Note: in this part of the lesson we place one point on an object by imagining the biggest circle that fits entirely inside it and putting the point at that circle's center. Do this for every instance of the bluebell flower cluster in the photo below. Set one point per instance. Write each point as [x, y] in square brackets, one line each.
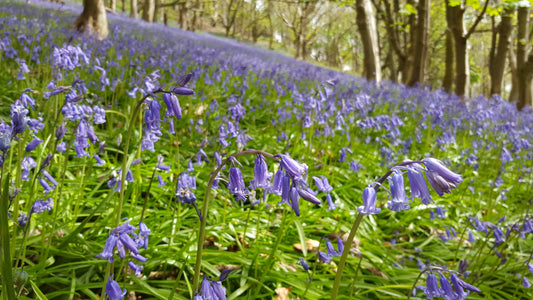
[440, 178]
[211, 290]
[125, 240]
[456, 290]
[326, 257]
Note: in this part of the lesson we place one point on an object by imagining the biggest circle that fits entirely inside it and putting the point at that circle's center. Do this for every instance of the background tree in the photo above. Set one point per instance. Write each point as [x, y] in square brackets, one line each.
[93, 19]
[369, 37]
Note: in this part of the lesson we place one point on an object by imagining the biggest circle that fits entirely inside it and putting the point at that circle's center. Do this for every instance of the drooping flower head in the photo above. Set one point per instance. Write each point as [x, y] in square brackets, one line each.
[261, 175]
[441, 178]
[184, 190]
[398, 200]
[369, 202]
[236, 184]
[112, 289]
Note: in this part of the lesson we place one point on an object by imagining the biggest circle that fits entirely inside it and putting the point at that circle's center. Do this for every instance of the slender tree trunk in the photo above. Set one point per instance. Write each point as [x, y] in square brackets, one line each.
[157, 7]
[462, 71]
[113, 5]
[421, 45]
[368, 31]
[524, 63]
[449, 60]
[93, 19]
[513, 95]
[497, 64]
[133, 9]
[148, 11]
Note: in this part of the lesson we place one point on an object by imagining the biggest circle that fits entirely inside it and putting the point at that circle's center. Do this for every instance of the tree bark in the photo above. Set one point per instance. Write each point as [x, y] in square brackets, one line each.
[113, 5]
[367, 29]
[523, 59]
[148, 11]
[421, 44]
[499, 54]
[93, 19]
[447, 82]
[133, 9]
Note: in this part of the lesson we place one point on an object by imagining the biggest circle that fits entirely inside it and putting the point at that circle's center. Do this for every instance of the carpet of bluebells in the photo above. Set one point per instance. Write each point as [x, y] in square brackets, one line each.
[164, 164]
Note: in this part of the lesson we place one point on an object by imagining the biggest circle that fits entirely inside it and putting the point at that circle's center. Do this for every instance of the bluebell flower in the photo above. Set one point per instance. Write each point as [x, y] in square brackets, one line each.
[236, 184]
[5, 136]
[185, 187]
[459, 282]
[173, 105]
[304, 264]
[324, 257]
[41, 206]
[47, 188]
[432, 288]
[28, 163]
[369, 202]
[161, 181]
[397, 189]
[33, 144]
[419, 188]
[22, 220]
[447, 289]
[144, 232]
[99, 115]
[530, 268]
[112, 289]
[19, 118]
[182, 91]
[61, 130]
[61, 147]
[110, 244]
[277, 183]
[294, 200]
[136, 268]
[292, 168]
[441, 178]
[261, 175]
[331, 251]
[525, 283]
[49, 177]
[306, 195]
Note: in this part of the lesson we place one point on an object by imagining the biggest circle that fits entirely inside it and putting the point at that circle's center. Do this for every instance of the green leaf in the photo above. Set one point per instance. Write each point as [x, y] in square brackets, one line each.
[38, 294]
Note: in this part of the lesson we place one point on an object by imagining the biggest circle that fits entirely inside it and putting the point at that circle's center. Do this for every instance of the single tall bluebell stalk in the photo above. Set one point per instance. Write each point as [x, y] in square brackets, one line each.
[289, 182]
[440, 177]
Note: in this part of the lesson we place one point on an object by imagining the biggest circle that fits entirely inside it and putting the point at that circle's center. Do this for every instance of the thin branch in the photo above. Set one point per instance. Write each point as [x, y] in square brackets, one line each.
[478, 19]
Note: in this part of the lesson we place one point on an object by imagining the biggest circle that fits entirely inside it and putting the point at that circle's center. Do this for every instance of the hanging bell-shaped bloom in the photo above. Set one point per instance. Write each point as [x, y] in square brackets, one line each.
[397, 189]
[419, 188]
[261, 175]
[236, 184]
[113, 291]
[369, 202]
[441, 178]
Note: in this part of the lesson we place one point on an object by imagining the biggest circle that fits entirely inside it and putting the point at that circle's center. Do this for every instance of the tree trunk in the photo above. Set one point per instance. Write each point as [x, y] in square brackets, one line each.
[462, 71]
[447, 82]
[513, 95]
[524, 63]
[113, 5]
[157, 8]
[421, 44]
[133, 9]
[93, 19]
[497, 64]
[148, 11]
[367, 29]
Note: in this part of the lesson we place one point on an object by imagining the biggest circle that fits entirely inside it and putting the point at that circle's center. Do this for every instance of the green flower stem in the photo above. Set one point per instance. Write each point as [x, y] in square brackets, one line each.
[353, 231]
[118, 208]
[8, 289]
[414, 283]
[203, 217]
[344, 256]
